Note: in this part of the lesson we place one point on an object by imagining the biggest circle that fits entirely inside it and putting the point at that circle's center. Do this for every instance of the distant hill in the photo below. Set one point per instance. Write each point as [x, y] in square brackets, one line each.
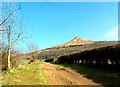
[73, 46]
[76, 45]
[75, 42]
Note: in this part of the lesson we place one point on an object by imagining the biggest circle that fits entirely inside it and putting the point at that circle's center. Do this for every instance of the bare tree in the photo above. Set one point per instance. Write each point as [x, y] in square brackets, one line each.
[12, 27]
[32, 48]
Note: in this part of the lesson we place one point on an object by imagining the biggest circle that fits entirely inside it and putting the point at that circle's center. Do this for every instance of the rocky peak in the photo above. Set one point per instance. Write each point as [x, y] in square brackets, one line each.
[76, 39]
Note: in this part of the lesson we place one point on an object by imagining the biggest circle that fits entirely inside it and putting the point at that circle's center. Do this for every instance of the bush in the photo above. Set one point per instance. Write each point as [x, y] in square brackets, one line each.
[98, 56]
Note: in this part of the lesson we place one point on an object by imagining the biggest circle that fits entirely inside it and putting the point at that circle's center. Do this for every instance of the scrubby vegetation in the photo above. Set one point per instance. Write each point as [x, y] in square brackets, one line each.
[105, 57]
[55, 52]
[16, 61]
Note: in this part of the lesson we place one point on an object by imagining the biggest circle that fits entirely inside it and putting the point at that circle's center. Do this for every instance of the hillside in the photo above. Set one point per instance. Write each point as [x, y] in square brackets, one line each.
[72, 46]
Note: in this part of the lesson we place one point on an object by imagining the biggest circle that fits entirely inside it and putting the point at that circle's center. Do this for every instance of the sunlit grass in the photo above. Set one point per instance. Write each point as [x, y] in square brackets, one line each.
[29, 74]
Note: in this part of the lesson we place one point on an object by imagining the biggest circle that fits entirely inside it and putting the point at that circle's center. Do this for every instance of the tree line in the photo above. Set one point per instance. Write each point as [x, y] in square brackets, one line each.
[103, 56]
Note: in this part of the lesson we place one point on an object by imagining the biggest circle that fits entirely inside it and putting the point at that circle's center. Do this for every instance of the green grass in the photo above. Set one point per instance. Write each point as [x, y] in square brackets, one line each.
[29, 74]
[26, 61]
[99, 76]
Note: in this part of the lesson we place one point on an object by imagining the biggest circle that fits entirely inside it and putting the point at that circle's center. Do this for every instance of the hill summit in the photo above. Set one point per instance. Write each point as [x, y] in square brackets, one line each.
[77, 41]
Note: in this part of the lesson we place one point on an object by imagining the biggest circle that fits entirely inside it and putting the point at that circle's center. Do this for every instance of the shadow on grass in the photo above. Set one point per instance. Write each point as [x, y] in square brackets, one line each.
[103, 77]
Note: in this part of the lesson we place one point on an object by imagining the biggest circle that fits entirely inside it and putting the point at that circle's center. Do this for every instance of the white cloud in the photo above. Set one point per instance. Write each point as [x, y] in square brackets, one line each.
[112, 34]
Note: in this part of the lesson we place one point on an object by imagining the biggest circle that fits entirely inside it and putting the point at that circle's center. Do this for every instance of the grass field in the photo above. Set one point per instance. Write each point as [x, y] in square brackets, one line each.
[97, 75]
[29, 74]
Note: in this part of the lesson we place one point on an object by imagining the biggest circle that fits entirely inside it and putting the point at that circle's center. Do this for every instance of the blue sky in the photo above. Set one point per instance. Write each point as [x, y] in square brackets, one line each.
[55, 23]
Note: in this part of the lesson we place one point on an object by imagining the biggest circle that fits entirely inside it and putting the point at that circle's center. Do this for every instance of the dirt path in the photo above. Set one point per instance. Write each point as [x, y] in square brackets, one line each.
[58, 75]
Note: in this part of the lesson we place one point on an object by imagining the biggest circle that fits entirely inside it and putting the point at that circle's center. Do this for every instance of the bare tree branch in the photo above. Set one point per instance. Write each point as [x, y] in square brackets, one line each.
[2, 23]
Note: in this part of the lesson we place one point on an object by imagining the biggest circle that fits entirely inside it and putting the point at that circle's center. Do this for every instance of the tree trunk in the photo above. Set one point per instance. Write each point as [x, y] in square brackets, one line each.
[9, 49]
[8, 60]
